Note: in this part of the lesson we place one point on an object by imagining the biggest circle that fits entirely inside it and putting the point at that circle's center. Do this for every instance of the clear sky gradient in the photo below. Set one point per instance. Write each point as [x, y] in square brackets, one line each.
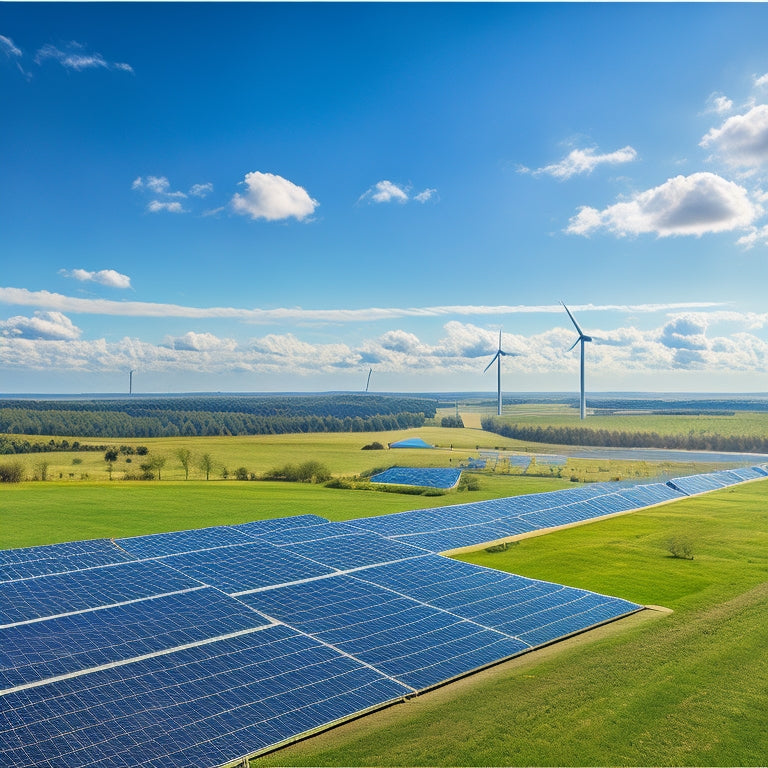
[259, 197]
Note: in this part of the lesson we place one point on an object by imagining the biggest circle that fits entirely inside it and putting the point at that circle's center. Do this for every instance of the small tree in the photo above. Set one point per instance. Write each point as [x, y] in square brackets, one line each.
[111, 455]
[12, 472]
[205, 462]
[184, 455]
[156, 463]
[241, 473]
[680, 547]
[41, 469]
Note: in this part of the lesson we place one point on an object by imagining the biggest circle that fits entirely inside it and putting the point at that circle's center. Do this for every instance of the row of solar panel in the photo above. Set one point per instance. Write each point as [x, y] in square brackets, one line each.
[418, 476]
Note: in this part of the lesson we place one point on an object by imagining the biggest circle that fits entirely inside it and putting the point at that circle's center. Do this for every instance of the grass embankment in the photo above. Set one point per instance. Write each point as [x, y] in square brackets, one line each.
[687, 688]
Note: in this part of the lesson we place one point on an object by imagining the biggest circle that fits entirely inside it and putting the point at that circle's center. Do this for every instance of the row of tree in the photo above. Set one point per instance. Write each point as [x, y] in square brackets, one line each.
[189, 423]
[572, 435]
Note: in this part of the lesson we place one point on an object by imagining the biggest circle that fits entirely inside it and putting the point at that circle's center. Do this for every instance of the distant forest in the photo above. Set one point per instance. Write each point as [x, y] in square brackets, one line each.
[615, 438]
[214, 415]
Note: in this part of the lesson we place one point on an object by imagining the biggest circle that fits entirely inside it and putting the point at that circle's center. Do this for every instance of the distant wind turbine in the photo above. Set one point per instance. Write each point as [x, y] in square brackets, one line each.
[497, 359]
[367, 383]
[130, 382]
[583, 338]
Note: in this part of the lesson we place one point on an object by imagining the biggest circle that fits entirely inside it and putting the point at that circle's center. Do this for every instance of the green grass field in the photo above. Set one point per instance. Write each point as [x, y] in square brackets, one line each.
[688, 688]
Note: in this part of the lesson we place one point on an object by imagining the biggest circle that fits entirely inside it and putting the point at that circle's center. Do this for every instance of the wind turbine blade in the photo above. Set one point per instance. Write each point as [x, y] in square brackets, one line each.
[499, 339]
[493, 360]
[573, 320]
[574, 344]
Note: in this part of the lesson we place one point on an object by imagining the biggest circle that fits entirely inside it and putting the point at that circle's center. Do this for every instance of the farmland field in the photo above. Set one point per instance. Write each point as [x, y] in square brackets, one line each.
[687, 688]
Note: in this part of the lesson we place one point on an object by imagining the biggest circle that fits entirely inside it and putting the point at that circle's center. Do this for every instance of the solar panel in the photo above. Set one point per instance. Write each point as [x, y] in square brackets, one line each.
[245, 567]
[56, 551]
[419, 476]
[34, 598]
[259, 527]
[62, 564]
[159, 544]
[202, 706]
[419, 645]
[39, 650]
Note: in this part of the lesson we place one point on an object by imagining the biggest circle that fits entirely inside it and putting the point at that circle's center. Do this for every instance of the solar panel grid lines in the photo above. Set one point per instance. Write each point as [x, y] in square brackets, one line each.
[257, 528]
[238, 696]
[36, 651]
[67, 564]
[55, 551]
[245, 567]
[58, 594]
[177, 542]
[413, 643]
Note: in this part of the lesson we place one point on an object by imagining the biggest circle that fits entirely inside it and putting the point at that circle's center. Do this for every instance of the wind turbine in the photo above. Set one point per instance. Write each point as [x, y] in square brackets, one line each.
[497, 357]
[367, 383]
[130, 382]
[583, 338]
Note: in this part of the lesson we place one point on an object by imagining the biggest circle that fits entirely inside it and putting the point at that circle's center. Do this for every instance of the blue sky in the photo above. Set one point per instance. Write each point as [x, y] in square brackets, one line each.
[259, 197]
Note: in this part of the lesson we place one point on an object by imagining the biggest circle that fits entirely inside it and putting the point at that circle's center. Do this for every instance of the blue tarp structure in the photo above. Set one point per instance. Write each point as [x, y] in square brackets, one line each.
[411, 442]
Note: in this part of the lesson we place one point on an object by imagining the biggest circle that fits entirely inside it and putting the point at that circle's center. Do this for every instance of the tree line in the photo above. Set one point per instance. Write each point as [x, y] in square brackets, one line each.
[573, 435]
[170, 423]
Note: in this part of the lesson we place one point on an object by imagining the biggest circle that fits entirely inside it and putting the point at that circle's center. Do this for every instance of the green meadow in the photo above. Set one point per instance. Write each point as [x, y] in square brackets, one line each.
[668, 689]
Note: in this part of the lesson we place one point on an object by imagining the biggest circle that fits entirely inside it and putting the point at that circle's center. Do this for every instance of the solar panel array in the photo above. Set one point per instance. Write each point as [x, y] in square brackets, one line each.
[199, 647]
[433, 477]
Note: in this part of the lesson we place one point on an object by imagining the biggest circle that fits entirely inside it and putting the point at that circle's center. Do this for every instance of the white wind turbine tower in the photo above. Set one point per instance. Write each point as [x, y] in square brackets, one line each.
[497, 358]
[583, 338]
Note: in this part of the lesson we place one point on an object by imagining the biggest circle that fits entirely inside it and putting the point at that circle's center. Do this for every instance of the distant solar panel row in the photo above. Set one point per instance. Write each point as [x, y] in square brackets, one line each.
[421, 477]
[197, 647]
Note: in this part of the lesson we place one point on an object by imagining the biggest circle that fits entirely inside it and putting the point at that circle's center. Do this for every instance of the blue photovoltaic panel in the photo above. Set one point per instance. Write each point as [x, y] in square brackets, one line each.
[534, 611]
[55, 551]
[467, 536]
[65, 564]
[416, 644]
[308, 533]
[43, 649]
[159, 544]
[200, 706]
[653, 493]
[92, 588]
[259, 527]
[761, 470]
[418, 476]
[695, 484]
[246, 567]
[354, 551]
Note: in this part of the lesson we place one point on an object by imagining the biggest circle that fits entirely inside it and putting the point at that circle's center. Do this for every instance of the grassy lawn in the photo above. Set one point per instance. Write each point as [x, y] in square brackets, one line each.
[688, 688]
[50, 512]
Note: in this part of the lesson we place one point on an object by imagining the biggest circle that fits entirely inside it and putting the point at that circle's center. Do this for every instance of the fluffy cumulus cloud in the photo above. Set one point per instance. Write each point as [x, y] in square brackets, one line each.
[201, 342]
[742, 140]
[584, 161]
[108, 277]
[42, 325]
[684, 205]
[158, 185]
[74, 56]
[719, 104]
[201, 190]
[271, 197]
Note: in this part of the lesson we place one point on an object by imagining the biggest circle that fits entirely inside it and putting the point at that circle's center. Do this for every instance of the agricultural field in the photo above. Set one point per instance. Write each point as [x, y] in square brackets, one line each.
[668, 689]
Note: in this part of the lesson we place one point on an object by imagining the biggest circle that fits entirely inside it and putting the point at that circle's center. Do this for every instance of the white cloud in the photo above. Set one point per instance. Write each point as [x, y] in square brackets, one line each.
[585, 161]
[159, 185]
[273, 198]
[75, 57]
[684, 205]
[59, 302]
[201, 342]
[155, 206]
[49, 341]
[762, 80]
[107, 277]
[424, 196]
[718, 103]
[755, 236]
[385, 192]
[201, 190]
[43, 325]
[7, 47]
[742, 140]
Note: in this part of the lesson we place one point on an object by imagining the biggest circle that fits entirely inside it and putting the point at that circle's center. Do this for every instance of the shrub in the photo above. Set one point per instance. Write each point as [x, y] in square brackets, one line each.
[374, 446]
[111, 455]
[241, 473]
[468, 483]
[307, 472]
[339, 482]
[680, 547]
[455, 422]
[11, 472]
